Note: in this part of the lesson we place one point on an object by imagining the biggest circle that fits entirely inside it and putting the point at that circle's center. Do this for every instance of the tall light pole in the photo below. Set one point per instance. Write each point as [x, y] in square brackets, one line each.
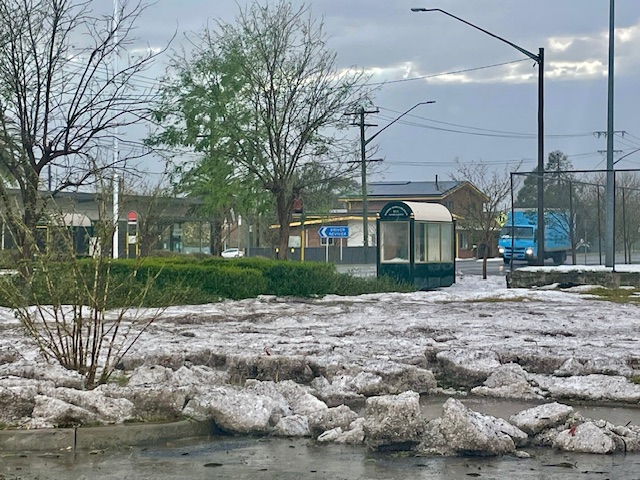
[609, 228]
[363, 152]
[539, 59]
[116, 153]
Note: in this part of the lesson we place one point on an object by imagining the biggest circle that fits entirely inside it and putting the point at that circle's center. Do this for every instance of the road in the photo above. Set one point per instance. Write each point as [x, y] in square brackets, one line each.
[495, 266]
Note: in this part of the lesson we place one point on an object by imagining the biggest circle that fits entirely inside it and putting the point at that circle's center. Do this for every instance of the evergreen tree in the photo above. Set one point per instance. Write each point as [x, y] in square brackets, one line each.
[556, 184]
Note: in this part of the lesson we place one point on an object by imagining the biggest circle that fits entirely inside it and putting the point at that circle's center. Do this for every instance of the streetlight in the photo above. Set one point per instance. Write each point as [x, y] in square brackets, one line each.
[539, 59]
[610, 201]
[363, 148]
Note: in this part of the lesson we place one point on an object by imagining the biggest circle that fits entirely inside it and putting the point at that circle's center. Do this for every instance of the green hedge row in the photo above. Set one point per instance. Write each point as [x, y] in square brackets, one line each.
[179, 280]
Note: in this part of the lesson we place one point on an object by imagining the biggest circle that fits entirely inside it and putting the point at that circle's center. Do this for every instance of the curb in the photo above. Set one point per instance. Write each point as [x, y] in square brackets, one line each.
[104, 437]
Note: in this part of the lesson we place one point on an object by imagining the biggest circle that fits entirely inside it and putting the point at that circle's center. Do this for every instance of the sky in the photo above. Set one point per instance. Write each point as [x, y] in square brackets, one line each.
[483, 113]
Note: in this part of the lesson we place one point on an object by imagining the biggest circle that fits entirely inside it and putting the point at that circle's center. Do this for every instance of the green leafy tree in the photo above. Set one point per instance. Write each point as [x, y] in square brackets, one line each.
[264, 101]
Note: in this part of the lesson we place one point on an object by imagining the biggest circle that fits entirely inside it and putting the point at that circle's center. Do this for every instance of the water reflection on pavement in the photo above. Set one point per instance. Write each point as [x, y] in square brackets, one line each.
[273, 458]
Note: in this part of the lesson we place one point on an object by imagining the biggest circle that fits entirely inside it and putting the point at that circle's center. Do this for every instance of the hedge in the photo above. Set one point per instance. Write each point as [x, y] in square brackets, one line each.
[163, 281]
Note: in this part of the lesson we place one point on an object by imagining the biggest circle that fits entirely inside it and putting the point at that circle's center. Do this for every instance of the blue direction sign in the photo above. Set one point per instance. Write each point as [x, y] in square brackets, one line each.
[333, 232]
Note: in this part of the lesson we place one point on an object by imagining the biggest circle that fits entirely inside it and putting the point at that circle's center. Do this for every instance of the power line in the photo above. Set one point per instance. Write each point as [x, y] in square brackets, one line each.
[442, 74]
[482, 133]
[500, 133]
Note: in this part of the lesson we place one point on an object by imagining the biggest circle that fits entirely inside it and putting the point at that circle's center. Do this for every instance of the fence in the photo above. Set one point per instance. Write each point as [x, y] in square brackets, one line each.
[582, 195]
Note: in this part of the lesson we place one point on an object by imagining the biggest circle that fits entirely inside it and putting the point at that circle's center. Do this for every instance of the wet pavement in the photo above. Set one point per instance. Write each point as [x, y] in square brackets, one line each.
[272, 458]
[285, 458]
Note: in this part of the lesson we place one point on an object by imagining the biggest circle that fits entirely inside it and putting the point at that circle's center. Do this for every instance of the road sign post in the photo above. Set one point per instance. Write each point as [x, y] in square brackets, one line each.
[333, 232]
[132, 235]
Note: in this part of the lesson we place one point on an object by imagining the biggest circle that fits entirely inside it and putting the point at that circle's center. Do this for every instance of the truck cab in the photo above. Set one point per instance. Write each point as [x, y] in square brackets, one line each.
[518, 238]
[517, 243]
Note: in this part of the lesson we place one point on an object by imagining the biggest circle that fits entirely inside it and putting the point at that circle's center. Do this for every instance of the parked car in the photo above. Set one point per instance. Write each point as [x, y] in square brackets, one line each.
[232, 253]
[583, 246]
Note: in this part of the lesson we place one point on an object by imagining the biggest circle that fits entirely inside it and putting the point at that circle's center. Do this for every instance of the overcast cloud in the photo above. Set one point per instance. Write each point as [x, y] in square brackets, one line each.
[488, 114]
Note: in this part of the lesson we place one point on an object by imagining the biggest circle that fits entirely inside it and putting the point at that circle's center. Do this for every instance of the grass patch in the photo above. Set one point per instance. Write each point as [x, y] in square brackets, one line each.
[616, 295]
[120, 380]
[496, 300]
[635, 379]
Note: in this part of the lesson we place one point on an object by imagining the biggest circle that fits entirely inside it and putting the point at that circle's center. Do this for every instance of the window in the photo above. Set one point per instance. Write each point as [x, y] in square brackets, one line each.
[463, 240]
[520, 232]
[327, 241]
[394, 242]
[420, 242]
[433, 242]
[446, 244]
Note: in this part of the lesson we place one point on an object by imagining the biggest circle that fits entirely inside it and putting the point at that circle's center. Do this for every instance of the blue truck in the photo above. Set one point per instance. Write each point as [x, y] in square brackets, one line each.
[518, 238]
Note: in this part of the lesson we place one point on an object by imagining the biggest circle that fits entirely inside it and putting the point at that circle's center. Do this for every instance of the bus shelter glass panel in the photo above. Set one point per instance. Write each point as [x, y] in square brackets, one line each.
[394, 242]
[433, 242]
[446, 243]
[420, 242]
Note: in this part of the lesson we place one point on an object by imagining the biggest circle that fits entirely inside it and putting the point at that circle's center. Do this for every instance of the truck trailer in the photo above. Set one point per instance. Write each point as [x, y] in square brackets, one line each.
[518, 238]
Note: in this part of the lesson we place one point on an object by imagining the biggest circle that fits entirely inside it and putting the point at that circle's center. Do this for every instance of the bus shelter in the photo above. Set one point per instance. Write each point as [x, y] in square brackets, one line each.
[416, 244]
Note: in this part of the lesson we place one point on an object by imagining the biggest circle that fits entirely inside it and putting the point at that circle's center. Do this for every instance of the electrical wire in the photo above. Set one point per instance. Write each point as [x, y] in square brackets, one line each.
[490, 132]
[442, 74]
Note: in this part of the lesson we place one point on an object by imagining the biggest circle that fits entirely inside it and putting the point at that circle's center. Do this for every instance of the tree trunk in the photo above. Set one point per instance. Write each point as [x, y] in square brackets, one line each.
[215, 237]
[26, 234]
[485, 255]
[284, 204]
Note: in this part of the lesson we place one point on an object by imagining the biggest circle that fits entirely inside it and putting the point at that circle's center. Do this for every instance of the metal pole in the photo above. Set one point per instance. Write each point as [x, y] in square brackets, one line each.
[116, 155]
[540, 230]
[610, 189]
[511, 226]
[303, 243]
[116, 215]
[599, 227]
[540, 60]
[572, 236]
[365, 213]
[624, 227]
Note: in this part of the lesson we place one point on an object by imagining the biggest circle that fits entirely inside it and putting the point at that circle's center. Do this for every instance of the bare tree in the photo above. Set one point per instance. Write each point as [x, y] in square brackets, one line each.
[627, 212]
[62, 100]
[484, 219]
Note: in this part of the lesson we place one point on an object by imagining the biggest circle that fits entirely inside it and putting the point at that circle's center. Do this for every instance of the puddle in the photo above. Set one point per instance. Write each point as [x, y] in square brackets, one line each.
[276, 458]
[503, 408]
[262, 459]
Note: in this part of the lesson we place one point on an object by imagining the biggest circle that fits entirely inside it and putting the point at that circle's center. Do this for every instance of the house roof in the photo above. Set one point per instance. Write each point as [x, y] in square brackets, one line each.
[410, 189]
[407, 189]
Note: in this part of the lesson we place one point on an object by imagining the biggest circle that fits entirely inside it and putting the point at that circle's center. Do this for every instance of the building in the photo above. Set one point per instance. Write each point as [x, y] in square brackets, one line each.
[458, 197]
[158, 225]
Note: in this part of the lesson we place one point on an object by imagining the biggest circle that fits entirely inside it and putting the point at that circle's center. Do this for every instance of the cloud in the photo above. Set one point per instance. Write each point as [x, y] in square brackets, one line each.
[557, 44]
[629, 34]
[573, 70]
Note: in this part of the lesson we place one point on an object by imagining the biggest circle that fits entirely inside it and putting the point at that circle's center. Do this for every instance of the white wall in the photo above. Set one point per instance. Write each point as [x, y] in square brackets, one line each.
[355, 233]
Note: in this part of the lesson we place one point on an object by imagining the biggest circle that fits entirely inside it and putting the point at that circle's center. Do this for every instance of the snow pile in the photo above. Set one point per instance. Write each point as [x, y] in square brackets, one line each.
[295, 367]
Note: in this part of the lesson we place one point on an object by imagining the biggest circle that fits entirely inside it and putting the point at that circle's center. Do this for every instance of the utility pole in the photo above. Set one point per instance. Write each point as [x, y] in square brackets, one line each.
[361, 112]
[610, 183]
[610, 243]
[363, 159]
